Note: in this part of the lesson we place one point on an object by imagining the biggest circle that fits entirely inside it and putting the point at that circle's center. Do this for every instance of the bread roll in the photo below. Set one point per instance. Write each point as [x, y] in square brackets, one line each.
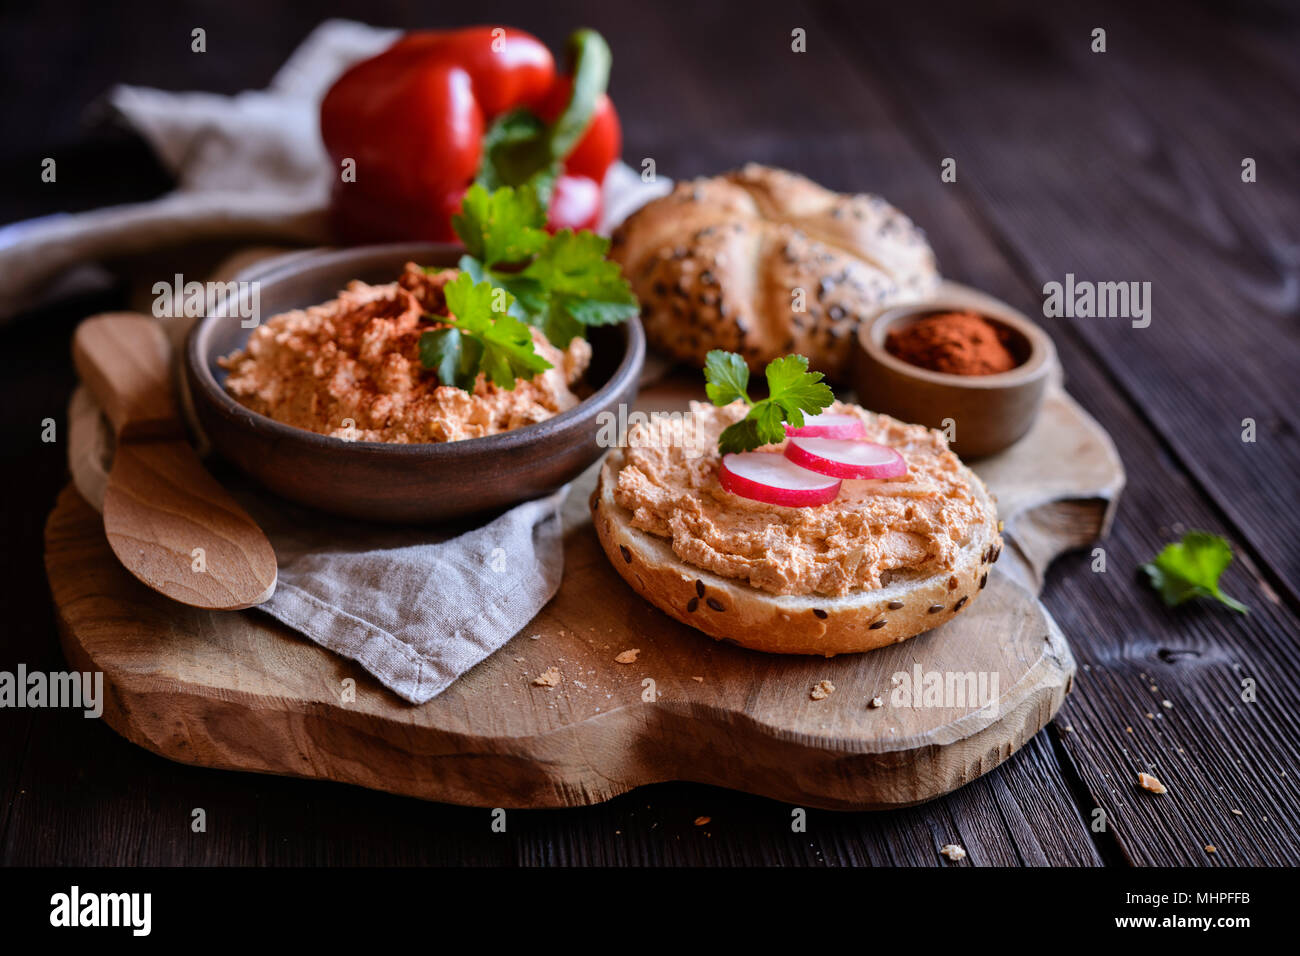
[733, 611]
[766, 263]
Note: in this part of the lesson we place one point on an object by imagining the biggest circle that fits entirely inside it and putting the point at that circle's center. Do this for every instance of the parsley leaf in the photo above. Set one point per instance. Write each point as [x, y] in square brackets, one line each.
[792, 391]
[1190, 568]
[580, 286]
[795, 389]
[562, 283]
[503, 226]
[727, 376]
[482, 337]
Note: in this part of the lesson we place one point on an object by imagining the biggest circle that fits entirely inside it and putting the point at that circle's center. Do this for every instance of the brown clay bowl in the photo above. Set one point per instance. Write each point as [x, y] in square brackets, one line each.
[390, 482]
[987, 412]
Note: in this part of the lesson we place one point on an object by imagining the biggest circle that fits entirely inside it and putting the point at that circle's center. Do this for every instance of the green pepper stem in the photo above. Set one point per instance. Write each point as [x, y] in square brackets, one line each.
[590, 62]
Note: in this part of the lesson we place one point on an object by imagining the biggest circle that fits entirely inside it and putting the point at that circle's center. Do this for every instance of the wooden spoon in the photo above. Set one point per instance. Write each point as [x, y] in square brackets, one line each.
[167, 519]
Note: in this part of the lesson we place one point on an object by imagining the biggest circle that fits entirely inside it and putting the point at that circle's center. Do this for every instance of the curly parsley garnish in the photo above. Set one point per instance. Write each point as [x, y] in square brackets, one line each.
[1191, 568]
[792, 391]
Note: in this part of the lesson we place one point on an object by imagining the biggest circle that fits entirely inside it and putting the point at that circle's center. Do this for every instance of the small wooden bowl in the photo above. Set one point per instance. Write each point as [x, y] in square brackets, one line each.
[988, 412]
[390, 482]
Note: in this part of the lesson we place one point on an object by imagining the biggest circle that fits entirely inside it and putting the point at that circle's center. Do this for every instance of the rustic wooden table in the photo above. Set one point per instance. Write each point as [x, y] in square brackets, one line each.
[1123, 165]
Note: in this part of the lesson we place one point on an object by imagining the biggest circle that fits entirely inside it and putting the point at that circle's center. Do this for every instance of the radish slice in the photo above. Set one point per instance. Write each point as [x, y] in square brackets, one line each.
[770, 478]
[828, 425]
[846, 459]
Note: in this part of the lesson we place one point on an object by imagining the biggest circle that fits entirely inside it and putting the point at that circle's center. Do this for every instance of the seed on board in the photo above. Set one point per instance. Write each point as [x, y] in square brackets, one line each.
[715, 604]
[877, 625]
[876, 703]
[627, 555]
[822, 689]
[820, 613]
[628, 656]
[953, 852]
[935, 608]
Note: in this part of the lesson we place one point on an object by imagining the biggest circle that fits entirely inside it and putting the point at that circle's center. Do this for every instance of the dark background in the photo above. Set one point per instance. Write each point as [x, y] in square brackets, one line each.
[1119, 166]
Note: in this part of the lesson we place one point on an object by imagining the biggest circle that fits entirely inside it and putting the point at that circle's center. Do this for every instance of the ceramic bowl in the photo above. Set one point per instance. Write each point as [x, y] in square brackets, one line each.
[983, 413]
[387, 482]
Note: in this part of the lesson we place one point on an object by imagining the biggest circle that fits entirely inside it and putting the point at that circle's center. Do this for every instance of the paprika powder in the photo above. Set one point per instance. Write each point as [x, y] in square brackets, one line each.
[958, 343]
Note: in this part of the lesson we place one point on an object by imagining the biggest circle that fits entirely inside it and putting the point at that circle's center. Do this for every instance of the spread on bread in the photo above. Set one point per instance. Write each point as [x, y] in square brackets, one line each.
[764, 262]
[793, 523]
[873, 530]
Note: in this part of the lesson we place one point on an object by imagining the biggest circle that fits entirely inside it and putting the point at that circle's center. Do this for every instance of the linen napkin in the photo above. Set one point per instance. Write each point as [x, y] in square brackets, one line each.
[416, 607]
[250, 167]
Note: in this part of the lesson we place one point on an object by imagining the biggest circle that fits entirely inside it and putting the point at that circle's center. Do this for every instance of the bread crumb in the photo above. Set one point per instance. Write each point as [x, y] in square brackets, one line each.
[953, 852]
[1237, 812]
[548, 678]
[877, 702]
[1148, 782]
[822, 689]
[1167, 704]
[703, 821]
[1210, 848]
[534, 637]
[1069, 728]
[698, 680]
[628, 656]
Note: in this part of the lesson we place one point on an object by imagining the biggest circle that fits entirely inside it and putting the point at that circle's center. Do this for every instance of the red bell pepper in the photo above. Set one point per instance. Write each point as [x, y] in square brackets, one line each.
[440, 110]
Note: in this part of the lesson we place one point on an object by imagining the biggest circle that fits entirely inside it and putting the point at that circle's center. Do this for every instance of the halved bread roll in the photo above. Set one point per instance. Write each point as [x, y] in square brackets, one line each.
[732, 610]
[765, 263]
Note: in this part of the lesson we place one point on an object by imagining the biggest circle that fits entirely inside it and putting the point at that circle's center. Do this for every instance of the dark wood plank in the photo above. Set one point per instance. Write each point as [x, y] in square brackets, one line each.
[1125, 639]
[1126, 166]
[1267, 32]
[36, 373]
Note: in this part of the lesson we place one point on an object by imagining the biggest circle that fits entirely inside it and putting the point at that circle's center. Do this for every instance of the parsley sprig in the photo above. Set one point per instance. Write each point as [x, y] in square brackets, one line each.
[562, 283]
[792, 391]
[479, 338]
[515, 275]
[1191, 568]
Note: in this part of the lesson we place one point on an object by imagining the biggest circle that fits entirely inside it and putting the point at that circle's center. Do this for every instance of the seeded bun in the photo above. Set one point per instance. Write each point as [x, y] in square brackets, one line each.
[717, 261]
[733, 611]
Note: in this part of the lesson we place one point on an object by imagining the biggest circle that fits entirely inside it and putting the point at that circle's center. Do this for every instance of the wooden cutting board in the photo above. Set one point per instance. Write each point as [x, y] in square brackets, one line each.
[237, 690]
